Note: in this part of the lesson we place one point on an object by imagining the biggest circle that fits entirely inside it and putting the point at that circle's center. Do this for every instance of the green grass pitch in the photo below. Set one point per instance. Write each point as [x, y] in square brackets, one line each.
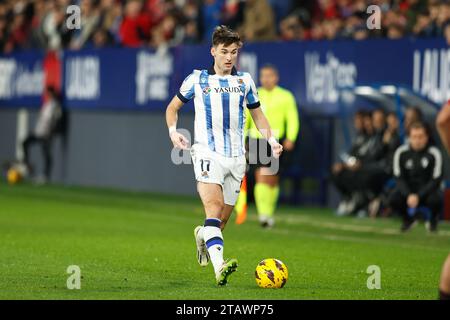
[141, 246]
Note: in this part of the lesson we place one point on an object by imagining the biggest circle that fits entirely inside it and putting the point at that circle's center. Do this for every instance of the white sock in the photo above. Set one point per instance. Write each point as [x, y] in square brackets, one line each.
[214, 242]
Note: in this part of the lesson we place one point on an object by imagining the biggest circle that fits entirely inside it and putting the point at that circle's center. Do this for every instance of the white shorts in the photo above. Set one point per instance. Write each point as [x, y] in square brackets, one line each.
[211, 167]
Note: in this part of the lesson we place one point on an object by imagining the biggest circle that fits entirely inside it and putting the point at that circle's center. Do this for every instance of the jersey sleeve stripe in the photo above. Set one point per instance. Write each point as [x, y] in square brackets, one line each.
[182, 98]
[253, 105]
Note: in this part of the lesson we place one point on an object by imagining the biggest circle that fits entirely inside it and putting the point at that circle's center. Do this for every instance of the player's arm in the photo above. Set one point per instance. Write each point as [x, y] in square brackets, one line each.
[186, 93]
[263, 126]
[178, 140]
[443, 126]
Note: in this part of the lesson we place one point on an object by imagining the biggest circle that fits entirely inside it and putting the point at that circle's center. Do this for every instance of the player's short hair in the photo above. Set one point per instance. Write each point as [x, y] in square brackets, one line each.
[224, 35]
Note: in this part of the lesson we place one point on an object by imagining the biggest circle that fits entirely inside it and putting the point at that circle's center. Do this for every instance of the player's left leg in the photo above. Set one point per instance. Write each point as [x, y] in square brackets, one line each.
[226, 213]
[209, 176]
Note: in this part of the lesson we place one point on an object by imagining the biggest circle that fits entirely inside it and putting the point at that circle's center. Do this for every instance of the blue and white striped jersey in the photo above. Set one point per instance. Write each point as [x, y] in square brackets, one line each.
[219, 103]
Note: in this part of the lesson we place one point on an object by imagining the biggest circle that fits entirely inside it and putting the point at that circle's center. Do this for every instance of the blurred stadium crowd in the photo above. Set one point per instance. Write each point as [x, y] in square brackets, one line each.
[367, 178]
[155, 23]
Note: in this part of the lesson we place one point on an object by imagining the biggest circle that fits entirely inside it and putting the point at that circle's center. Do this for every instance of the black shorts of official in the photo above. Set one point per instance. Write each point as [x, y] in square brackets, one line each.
[260, 155]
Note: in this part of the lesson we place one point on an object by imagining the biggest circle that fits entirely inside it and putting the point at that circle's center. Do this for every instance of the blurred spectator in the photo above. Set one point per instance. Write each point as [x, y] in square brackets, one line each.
[353, 24]
[280, 8]
[191, 28]
[324, 10]
[361, 33]
[412, 114]
[233, 15]
[20, 27]
[135, 27]
[110, 19]
[53, 26]
[291, 28]
[191, 35]
[211, 17]
[259, 21]
[134, 23]
[3, 29]
[395, 31]
[391, 139]
[418, 173]
[90, 20]
[370, 172]
[423, 26]
[442, 18]
[317, 31]
[345, 8]
[342, 172]
[168, 32]
[331, 28]
[102, 38]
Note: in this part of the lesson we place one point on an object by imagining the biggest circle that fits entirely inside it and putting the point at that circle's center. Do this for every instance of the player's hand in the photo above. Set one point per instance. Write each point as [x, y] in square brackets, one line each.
[179, 141]
[277, 149]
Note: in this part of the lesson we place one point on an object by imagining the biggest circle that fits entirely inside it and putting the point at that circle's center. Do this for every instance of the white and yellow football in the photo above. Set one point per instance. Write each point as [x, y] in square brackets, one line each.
[271, 273]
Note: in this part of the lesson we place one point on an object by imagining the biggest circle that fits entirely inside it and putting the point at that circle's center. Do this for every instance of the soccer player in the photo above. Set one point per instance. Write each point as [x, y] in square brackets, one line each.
[280, 108]
[221, 94]
[443, 127]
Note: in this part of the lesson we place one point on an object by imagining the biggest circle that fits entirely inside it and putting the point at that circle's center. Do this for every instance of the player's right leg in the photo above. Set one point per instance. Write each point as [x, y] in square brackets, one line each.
[213, 202]
[206, 170]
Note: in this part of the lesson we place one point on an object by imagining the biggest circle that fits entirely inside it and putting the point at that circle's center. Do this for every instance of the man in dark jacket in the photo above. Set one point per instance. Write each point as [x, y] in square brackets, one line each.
[342, 173]
[418, 173]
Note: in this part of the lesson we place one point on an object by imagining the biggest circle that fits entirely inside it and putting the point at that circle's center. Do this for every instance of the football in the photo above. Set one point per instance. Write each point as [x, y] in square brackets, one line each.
[271, 273]
[13, 176]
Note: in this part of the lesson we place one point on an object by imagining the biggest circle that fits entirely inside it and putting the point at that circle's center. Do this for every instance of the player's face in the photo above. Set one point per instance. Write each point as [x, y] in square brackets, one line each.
[418, 139]
[225, 57]
[268, 78]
